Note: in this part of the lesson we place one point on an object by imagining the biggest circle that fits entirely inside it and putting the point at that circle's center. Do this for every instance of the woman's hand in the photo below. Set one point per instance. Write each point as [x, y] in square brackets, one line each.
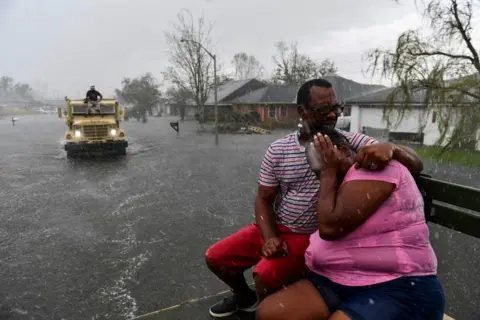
[375, 156]
[329, 153]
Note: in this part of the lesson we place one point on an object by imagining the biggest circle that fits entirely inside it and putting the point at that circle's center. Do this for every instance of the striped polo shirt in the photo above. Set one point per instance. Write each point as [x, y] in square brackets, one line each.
[285, 165]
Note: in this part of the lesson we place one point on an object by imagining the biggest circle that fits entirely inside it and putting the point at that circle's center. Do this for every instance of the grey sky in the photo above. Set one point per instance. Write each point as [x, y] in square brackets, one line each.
[71, 44]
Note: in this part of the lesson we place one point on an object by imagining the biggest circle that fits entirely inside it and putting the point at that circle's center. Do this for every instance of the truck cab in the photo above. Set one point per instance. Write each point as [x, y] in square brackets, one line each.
[93, 130]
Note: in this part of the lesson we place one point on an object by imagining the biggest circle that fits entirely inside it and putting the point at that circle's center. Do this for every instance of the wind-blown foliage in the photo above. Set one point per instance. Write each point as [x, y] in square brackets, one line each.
[22, 90]
[142, 93]
[438, 65]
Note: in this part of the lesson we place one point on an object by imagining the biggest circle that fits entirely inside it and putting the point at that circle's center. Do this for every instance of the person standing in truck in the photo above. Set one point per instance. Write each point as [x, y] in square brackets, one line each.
[93, 96]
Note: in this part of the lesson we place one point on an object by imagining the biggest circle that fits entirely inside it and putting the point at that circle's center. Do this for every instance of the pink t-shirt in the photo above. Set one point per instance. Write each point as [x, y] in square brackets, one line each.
[392, 243]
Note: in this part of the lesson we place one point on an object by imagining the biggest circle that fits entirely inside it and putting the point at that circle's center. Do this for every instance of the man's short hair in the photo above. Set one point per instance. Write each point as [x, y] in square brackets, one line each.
[303, 94]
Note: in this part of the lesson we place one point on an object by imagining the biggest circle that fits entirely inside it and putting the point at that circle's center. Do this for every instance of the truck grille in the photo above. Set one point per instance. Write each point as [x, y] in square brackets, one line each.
[96, 132]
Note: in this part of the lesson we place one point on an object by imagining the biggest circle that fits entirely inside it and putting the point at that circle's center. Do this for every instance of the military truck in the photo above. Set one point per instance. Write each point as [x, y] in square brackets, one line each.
[93, 130]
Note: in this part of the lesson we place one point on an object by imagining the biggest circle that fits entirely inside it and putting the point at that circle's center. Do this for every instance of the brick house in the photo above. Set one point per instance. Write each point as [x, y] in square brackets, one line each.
[274, 103]
[225, 92]
[228, 91]
[277, 103]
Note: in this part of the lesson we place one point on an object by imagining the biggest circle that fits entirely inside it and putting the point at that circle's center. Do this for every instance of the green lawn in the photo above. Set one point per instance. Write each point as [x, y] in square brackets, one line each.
[465, 158]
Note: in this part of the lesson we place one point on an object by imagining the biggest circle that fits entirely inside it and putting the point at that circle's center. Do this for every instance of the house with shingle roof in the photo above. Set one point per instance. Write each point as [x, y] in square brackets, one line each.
[347, 88]
[228, 91]
[272, 103]
[233, 89]
[366, 113]
[417, 125]
[225, 92]
[380, 97]
[277, 103]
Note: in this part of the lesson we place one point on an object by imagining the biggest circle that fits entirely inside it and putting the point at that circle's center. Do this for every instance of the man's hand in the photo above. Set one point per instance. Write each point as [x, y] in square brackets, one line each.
[274, 247]
[375, 156]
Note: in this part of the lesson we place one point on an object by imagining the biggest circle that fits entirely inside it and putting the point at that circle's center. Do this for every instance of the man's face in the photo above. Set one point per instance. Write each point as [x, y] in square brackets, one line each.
[92, 88]
[323, 109]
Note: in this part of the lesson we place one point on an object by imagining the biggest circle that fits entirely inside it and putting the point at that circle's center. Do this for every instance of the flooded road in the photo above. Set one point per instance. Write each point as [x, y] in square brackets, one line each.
[108, 239]
[114, 238]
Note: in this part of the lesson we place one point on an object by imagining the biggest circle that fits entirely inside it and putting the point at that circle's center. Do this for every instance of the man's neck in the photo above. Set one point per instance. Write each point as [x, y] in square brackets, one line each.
[302, 137]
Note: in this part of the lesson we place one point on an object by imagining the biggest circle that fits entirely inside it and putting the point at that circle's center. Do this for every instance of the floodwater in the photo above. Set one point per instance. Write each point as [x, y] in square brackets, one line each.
[116, 238]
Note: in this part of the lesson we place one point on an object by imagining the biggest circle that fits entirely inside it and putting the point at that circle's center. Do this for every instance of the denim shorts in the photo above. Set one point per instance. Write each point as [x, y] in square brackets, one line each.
[405, 298]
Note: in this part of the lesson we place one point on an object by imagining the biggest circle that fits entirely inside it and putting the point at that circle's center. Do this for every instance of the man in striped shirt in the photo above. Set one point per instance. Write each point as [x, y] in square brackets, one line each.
[285, 211]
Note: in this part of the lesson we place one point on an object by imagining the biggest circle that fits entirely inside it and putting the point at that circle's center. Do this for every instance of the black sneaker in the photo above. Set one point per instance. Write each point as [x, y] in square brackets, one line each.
[231, 305]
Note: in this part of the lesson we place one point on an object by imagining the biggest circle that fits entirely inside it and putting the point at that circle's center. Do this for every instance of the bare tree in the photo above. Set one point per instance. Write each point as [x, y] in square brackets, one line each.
[442, 67]
[191, 68]
[247, 66]
[295, 67]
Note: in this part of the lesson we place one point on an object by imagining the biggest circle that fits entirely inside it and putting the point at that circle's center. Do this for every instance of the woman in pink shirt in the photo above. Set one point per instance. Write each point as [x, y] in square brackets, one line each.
[371, 258]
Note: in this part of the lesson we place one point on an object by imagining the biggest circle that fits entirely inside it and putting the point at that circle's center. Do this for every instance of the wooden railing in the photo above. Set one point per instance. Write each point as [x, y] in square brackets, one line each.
[451, 205]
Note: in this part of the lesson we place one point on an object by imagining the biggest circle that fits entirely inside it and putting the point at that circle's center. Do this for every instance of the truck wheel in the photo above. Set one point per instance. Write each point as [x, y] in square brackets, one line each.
[122, 151]
[70, 154]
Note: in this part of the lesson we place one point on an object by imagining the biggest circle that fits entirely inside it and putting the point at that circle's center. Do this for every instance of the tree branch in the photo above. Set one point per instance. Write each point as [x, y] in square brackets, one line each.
[441, 53]
[463, 32]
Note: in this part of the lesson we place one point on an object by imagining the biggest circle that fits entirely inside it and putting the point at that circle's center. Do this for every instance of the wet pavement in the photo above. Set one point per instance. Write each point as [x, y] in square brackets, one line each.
[115, 238]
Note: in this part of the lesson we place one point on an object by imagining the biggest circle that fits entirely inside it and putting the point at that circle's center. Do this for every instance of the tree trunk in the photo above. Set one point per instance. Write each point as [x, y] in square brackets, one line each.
[201, 114]
[182, 113]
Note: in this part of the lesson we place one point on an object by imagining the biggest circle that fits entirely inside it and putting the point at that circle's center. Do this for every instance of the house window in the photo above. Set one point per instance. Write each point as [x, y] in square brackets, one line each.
[271, 111]
[283, 111]
[252, 108]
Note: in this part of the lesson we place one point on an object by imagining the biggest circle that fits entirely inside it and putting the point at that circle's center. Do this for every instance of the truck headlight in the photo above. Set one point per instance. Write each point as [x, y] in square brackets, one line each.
[113, 132]
[78, 133]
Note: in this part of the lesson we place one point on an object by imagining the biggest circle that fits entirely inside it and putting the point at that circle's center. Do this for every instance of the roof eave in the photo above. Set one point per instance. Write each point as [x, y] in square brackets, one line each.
[263, 102]
[378, 103]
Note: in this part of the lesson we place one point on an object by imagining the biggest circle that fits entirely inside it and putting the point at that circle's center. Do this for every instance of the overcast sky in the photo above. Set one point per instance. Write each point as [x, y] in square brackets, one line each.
[70, 44]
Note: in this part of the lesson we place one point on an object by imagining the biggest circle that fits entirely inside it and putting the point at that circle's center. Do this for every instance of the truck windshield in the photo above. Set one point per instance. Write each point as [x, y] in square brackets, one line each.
[79, 109]
[82, 110]
[106, 109]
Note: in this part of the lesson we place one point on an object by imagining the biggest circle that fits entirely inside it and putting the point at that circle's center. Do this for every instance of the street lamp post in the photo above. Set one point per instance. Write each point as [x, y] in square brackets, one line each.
[214, 58]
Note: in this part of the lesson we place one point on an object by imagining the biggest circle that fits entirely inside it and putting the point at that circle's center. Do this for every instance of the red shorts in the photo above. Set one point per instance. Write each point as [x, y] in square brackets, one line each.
[243, 250]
